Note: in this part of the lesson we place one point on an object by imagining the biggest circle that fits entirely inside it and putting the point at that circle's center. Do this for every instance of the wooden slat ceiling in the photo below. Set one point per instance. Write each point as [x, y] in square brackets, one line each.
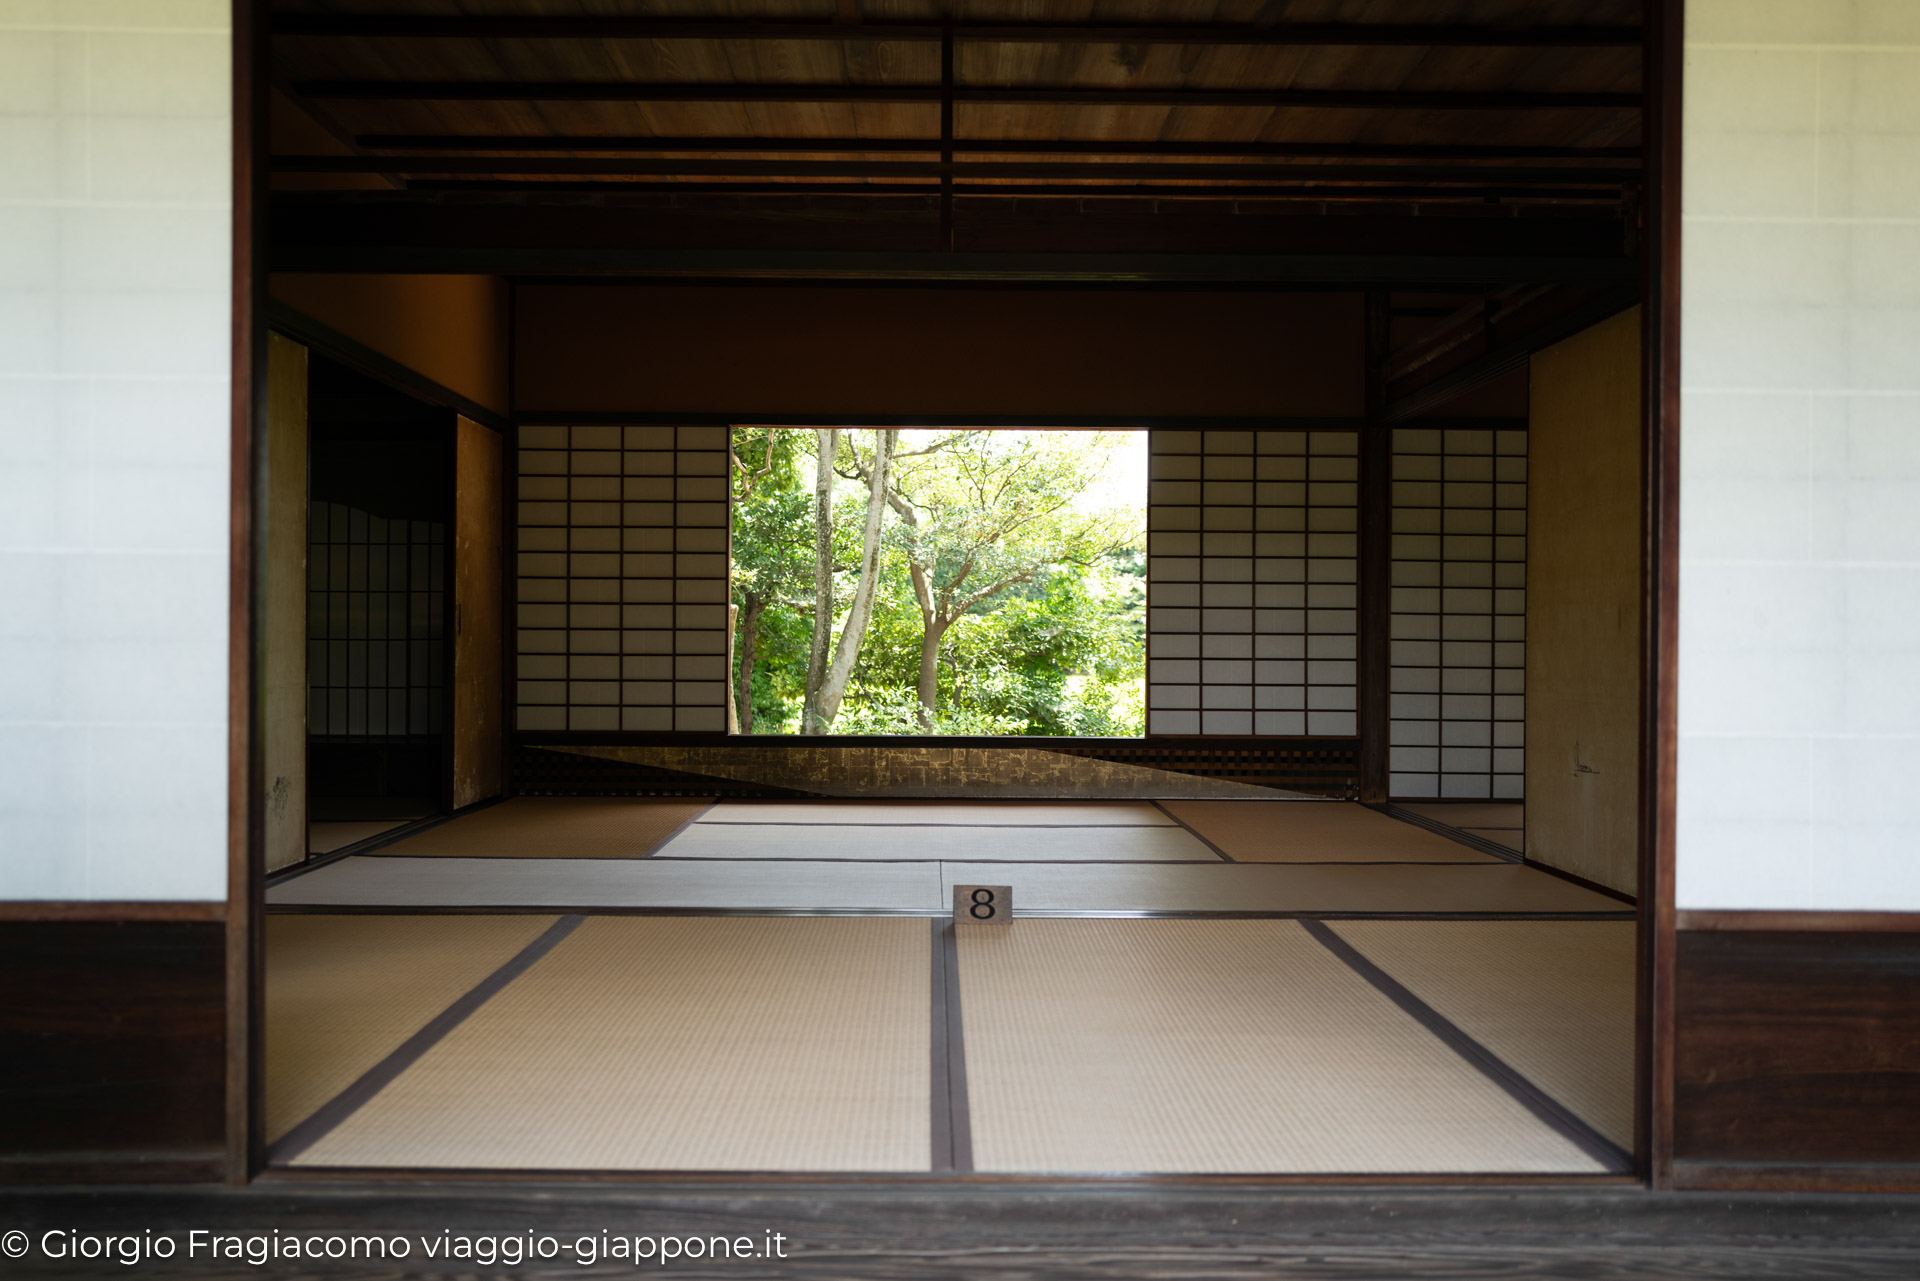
[579, 84]
[529, 136]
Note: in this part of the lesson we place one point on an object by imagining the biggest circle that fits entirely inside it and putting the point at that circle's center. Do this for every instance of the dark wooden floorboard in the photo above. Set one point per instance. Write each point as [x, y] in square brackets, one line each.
[865, 1232]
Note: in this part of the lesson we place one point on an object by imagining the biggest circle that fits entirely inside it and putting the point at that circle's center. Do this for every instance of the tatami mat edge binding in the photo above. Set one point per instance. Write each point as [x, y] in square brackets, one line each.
[1493, 848]
[677, 1044]
[1489, 1064]
[354, 1097]
[1120, 1048]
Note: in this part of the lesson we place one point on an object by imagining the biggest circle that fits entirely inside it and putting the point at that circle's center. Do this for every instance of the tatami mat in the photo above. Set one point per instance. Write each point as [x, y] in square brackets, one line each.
[1470, 813]
[878, 843]
[942, 813]
[1279, 887]
[555, 827]
[677, 1044]
[1554, 999]
[1215, 1047]
[1507, 836]
[343, 992]
[325, 838]
[612, 883]
[1315, 832]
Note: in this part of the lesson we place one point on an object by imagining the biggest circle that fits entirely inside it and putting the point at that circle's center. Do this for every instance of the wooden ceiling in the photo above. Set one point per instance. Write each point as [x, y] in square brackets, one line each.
[576, 136]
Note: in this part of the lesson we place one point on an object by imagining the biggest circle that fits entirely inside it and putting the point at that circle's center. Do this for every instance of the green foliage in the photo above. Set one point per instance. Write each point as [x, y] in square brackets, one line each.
[1023, 546]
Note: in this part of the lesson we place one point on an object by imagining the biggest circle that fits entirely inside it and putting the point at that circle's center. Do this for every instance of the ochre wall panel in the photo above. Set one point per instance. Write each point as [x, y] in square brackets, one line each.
[1583, 604]
[283, 611]
[478, 528]
[452, 329]
[777, 350]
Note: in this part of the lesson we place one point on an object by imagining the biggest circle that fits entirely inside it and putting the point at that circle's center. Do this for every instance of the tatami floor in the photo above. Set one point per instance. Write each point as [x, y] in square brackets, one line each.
[1187, 987]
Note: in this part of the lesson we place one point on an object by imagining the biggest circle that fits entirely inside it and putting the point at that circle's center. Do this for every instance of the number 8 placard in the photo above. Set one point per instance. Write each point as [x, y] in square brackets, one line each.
[982, 904]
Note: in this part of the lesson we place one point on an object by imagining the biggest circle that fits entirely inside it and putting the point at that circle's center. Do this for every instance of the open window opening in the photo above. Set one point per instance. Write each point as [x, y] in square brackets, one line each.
[975, 582]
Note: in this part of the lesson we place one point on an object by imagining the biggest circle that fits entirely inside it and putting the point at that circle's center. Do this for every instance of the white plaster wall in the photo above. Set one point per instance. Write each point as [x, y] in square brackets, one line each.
[1800, 458]
[114, 359]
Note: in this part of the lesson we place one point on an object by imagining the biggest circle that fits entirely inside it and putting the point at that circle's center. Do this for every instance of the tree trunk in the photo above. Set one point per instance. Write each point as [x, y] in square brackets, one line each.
[733, 708]
[826, 442]
[930, 638]
[749, 634]
[855, 629]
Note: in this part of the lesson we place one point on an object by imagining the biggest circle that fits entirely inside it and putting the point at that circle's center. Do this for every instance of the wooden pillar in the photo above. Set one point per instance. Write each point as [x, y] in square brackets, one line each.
[1376, 563]
[479, 727]
[283, 608]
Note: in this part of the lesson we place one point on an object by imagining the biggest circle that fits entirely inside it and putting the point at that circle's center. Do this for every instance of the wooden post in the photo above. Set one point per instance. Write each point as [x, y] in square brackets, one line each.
[1376, 561]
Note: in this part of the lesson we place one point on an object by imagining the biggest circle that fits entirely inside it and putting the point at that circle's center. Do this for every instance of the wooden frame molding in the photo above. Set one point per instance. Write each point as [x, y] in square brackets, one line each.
[1660, 576]
[92, 910]
[1800, 922]
[245, 970]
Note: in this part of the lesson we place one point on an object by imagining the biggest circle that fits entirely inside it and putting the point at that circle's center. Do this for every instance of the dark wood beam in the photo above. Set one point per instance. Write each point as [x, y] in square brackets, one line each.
[992, 190]
[667, 166]
[1196, 269]
[534, 231]
[1451, 35]
[1034, 95]
[1001, 146]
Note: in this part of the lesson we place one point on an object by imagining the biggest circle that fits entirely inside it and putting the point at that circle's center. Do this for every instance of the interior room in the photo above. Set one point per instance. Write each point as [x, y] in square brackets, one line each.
[1359, 897]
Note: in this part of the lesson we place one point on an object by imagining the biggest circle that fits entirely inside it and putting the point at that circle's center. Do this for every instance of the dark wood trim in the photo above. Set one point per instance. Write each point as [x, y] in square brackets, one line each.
[1376, 561]
[331, 342]
[1006, 95]
[1794, 922]
[1281, 34]
[1660, 575]
[1064, 422]
[1796, 1176]
[959, 171]
[87, 910]
[637, 143]
[1241, 189]
[246, 838]
[706, 1180]
[192, 1165]
[1342, 271]
[1581, 881]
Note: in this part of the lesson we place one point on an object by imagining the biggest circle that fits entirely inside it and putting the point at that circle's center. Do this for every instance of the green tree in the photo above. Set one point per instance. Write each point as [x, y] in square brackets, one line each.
[983, 512]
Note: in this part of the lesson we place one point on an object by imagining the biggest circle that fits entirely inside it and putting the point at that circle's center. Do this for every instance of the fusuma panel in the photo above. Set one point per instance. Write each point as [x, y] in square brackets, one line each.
[1252, 559]
[1459, 613]
[622, 567]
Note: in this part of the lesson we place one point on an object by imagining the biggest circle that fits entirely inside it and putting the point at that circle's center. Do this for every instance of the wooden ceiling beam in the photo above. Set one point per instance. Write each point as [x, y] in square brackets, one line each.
[1389, 35]
[1399, 195]
[619, 228]
[1002, 146]
[999, 95]
[576, 166]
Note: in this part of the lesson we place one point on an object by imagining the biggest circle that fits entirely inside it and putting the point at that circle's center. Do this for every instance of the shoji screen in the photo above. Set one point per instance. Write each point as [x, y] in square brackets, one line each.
[376, 663]
[1251, 561]
[622, 578]
[1459, 612]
